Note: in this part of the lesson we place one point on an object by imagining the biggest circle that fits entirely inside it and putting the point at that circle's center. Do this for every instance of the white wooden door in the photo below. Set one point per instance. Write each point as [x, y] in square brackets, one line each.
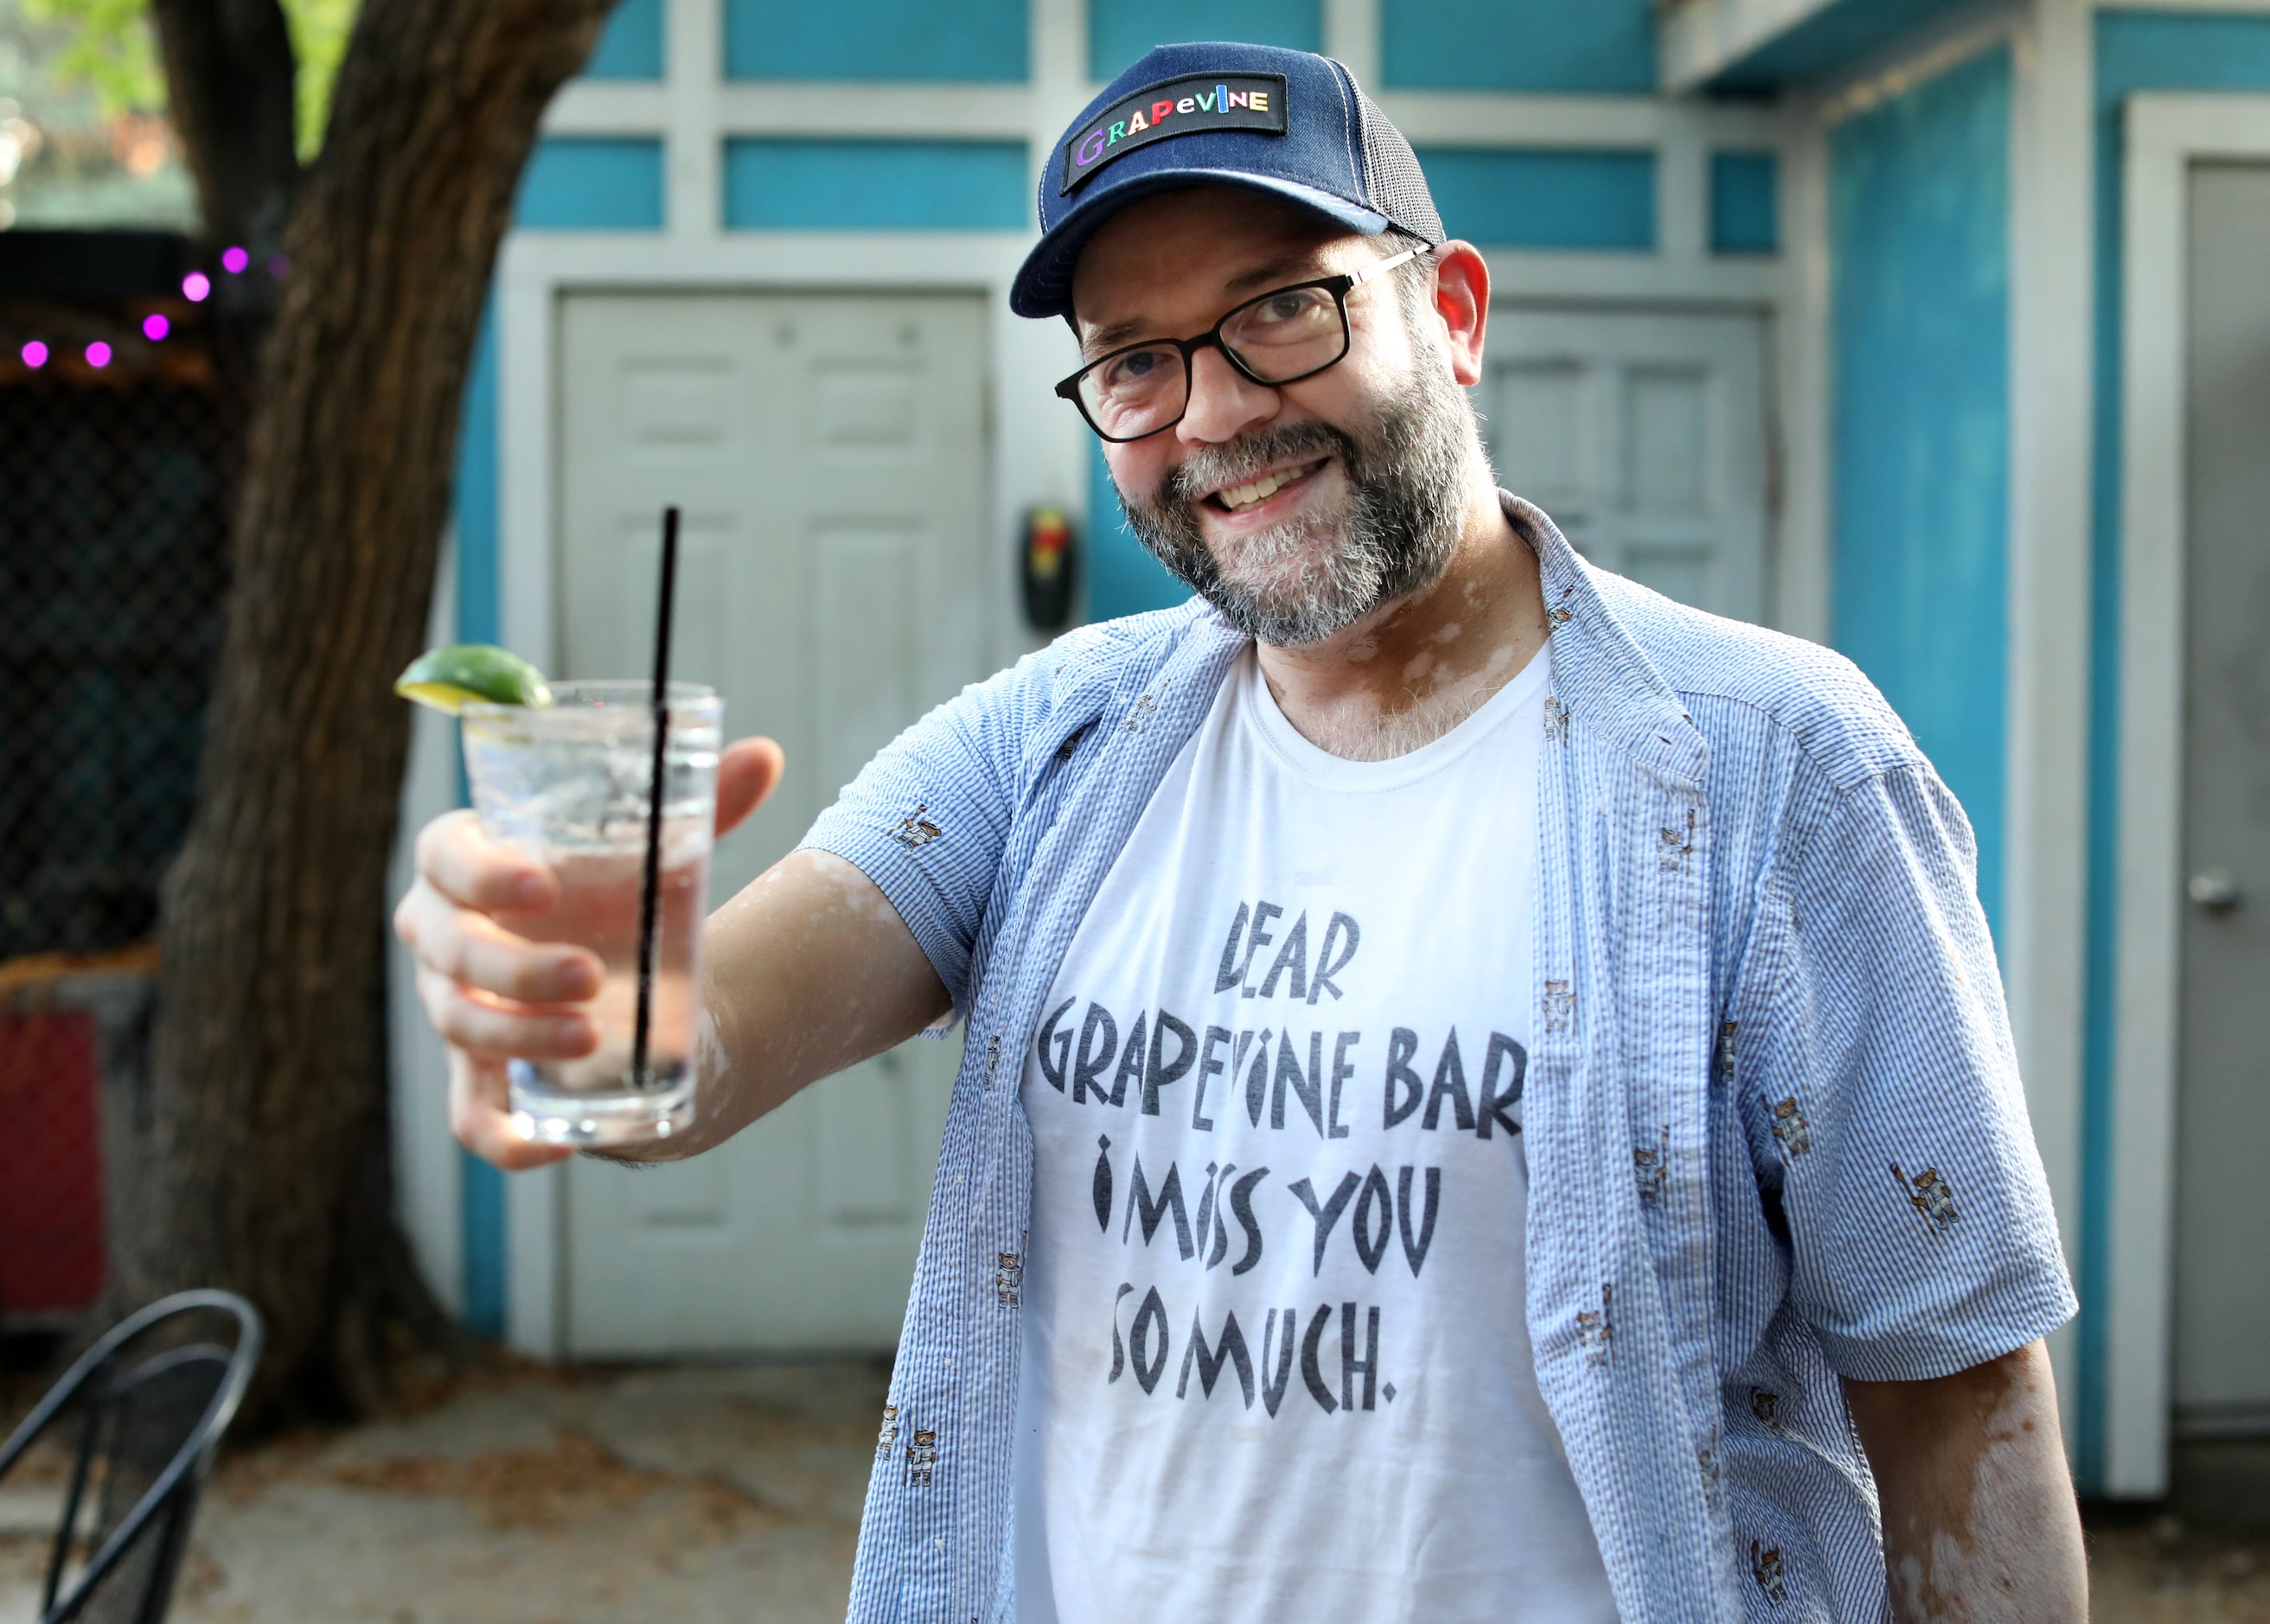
[2222, 1091]
[827, 452]
[1643, 434]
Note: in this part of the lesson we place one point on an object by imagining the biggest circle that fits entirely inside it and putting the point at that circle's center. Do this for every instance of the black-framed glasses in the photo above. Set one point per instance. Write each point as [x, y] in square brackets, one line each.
[1281, 337]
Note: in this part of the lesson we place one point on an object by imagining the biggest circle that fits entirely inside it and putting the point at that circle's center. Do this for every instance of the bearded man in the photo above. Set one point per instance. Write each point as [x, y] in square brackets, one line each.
[1486, 1092]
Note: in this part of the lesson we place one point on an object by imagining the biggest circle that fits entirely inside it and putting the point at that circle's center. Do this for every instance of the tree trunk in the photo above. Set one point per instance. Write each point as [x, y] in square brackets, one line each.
[230, 79]
[259, 1161]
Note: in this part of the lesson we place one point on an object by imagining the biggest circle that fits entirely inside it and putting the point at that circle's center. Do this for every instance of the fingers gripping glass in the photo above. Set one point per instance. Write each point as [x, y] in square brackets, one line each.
[1282, 337]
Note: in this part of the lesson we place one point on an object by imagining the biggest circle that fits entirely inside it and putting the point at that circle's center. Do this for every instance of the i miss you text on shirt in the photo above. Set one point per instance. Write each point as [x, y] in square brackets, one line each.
[1289, 1069]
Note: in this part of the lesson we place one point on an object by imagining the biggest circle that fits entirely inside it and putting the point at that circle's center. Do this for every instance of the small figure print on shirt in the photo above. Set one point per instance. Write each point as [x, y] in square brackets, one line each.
[1929, 1193]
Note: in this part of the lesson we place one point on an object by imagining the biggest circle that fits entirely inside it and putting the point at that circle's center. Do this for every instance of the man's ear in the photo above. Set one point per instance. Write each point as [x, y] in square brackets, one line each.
[1461, 303]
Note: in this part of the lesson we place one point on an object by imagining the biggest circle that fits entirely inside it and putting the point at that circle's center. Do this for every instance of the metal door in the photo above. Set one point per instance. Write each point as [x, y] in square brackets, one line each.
[2222, 1185]
[827, 452]
[1643, 435]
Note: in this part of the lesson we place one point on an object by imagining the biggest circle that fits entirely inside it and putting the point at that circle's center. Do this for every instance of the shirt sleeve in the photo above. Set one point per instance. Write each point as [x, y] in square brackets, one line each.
[927, 819]
[1921, 1237]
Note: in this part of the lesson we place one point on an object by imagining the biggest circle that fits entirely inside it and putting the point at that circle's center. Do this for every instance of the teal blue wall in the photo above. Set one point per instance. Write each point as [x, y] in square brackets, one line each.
[631, 47]
[979, 41]
[1120, 31]
[780, 184]
[591, 183]
[1123, 577]
[2134, 51]
[481, 1195]
[1531, 198]
[1745, 203]
[1919, 195]
[1536, 45]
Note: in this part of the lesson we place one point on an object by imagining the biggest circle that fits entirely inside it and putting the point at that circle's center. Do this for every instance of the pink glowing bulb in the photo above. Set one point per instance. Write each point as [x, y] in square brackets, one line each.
[36, 353]
[234, 260]
[155, 327]
[98, 354]
[197, 287]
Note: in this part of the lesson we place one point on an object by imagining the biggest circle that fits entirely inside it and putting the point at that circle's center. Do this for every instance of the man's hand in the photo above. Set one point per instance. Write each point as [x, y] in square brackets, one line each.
[1979, 1518]
[492, 994]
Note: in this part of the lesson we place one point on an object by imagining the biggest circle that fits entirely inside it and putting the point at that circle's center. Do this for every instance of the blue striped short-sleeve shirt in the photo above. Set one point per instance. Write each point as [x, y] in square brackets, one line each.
[1774, 1125]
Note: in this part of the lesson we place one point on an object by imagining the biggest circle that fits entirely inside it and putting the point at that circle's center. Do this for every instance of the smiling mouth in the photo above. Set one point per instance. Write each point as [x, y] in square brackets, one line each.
[1238, 498]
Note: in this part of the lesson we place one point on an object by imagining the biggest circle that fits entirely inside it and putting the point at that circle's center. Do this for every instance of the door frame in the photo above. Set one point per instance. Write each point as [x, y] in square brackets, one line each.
[1035, 456]
[2166, 136]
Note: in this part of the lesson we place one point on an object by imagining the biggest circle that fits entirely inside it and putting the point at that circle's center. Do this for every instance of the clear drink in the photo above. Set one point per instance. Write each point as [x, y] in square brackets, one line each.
[568, 784]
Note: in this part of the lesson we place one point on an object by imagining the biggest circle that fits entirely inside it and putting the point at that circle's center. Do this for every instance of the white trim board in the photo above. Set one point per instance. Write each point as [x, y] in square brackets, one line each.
[2166, 136]
[2045, 846]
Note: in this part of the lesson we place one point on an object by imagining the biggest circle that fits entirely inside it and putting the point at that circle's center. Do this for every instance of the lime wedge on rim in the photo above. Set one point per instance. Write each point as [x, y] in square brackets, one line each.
[451, 678]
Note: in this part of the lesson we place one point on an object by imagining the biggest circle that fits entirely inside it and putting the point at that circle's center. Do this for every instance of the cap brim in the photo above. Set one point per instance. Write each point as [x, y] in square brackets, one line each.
[1043, 284]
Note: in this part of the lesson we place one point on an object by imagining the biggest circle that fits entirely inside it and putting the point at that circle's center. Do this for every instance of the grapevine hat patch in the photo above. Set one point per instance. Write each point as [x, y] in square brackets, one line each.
[1290, 123]
[1183, 107]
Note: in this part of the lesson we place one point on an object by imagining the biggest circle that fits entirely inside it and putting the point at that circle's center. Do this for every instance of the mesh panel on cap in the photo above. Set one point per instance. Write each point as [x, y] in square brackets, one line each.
[1398, 186]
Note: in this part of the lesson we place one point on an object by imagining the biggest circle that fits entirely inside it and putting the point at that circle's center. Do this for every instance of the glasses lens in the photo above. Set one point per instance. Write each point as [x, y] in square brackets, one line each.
[1135, 392]
[1287, 334]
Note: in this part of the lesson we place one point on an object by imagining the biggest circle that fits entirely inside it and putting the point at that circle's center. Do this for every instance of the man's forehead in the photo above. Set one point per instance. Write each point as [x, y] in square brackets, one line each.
[1159, 259]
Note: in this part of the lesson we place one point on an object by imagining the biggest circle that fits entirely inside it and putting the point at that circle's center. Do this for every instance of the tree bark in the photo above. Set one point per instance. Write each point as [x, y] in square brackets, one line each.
[260, 1158]
[230, 78]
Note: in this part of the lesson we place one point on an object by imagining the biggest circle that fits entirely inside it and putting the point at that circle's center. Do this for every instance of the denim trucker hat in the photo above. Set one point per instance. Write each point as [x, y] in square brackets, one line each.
[1289, 122]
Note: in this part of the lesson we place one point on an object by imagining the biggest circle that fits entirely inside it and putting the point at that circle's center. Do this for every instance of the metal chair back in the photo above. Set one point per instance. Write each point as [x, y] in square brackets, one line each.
[149, 1425]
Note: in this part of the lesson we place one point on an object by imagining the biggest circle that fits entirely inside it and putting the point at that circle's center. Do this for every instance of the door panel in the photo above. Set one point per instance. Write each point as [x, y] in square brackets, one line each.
[1643, 435]
[827, 452]
[2222, 1201]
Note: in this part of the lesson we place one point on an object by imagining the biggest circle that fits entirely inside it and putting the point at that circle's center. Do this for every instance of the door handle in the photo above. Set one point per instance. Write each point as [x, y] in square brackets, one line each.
[2214, 888]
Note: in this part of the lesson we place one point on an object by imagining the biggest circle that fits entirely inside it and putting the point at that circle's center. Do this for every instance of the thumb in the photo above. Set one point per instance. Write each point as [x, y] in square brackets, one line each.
[747, 769]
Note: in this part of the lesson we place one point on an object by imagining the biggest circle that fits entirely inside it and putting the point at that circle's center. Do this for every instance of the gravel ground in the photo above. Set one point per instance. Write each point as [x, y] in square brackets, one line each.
[695, 1495]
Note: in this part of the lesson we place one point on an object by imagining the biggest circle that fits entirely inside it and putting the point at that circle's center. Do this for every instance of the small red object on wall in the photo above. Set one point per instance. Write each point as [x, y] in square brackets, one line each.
[51, 1245]
[1047, 565]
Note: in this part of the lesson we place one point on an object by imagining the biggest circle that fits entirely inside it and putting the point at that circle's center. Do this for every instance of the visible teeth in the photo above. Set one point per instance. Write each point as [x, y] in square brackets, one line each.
[1238, 496]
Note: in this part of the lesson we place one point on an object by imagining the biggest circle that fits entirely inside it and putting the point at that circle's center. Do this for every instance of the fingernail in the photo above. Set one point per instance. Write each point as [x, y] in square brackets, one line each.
[529, 890]
[577, 979]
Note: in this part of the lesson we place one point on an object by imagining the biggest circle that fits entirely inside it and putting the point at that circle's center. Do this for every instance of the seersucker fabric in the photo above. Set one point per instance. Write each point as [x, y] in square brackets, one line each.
[1775, 1126]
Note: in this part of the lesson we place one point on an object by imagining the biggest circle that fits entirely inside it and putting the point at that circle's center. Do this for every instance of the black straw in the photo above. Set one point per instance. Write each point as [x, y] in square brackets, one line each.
[650, 895]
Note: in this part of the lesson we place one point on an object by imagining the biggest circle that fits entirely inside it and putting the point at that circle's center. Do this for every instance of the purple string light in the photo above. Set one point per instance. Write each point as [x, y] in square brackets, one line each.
[196, 287]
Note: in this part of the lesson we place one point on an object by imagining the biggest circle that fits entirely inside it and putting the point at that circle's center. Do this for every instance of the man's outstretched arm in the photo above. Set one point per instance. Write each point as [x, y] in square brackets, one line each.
[808, 970]
[1979, 1519]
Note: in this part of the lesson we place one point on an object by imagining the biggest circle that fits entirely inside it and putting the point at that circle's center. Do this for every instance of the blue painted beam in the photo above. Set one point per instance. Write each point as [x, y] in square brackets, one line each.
[1832, 38]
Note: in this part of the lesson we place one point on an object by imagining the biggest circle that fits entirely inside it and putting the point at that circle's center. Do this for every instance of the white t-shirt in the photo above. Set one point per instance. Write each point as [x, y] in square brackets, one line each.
[1275, 1360]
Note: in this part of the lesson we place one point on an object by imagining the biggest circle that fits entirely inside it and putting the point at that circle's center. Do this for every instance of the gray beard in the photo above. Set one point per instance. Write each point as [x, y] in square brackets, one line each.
[1300, 582]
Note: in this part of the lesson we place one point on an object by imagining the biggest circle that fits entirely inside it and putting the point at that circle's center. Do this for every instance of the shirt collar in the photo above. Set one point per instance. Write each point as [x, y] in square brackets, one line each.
[1599, 671]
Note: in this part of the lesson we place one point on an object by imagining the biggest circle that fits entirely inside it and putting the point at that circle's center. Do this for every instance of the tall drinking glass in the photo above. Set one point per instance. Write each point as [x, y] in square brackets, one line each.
[568, 784]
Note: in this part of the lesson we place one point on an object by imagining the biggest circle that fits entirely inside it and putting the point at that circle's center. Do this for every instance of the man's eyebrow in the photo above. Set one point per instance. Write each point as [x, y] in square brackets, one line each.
[1268, 273]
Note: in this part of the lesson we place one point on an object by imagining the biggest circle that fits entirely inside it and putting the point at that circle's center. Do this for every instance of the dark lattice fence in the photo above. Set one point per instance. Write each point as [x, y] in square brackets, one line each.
[121, 409]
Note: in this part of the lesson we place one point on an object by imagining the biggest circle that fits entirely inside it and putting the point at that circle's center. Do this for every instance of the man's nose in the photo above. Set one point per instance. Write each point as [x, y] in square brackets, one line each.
[1224, 403]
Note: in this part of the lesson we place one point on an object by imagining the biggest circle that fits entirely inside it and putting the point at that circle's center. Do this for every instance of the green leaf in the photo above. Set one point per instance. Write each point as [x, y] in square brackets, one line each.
[112, 48]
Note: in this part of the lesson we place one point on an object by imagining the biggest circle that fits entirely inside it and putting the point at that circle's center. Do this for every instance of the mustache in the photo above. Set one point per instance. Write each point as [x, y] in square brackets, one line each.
[1214, 468]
